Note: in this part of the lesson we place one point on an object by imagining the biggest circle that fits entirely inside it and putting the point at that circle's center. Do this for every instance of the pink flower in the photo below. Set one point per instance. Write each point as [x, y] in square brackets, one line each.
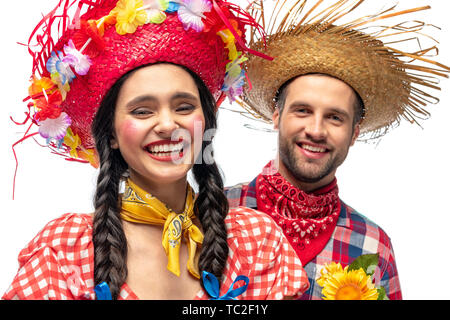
[80, 62]
[191, 12]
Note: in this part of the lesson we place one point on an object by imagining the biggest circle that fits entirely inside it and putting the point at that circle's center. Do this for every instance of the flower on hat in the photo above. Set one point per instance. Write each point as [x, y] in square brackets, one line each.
[91, 34]
[72, 142]
[62, 87]
[233, 85]
[38, 86]
[191, 13]
[212, 21]
[59, 63]
[230, 43]
[155, 10]
[80, 62]
[129, 14]
[90, 156]
[55, 128]
[235, 76]
[48, 105]
[173, 6]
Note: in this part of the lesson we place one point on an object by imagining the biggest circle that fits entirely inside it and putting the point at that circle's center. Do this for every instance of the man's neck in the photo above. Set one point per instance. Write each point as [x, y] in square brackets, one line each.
[308, 187]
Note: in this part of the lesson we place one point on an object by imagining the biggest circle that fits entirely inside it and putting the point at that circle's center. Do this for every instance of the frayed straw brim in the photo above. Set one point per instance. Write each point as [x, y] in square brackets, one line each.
[385, 80]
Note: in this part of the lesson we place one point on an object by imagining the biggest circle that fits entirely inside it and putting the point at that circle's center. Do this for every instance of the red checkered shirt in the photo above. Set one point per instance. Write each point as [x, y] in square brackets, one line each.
[59, 262]
[353, 236]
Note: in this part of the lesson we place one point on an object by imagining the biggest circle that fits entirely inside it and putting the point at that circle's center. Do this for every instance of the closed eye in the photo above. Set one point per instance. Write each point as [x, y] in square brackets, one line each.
[141, 112]
[185, 108]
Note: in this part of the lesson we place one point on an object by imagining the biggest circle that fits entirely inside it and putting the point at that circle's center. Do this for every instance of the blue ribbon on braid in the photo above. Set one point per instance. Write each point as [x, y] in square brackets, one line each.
[212, 287]
[102, 291]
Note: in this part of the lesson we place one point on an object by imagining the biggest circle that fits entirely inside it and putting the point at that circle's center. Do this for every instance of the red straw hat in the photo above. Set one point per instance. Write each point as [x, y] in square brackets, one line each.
[72, 74]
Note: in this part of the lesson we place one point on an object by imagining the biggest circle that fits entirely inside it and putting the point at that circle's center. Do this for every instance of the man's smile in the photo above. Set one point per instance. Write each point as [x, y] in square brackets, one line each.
[313, 151]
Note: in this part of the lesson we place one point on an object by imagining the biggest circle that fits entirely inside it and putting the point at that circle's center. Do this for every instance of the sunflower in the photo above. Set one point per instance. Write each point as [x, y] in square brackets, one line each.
[341, 284]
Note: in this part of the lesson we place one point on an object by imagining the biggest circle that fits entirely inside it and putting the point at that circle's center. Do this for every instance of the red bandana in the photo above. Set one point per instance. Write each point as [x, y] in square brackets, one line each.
[307, 219]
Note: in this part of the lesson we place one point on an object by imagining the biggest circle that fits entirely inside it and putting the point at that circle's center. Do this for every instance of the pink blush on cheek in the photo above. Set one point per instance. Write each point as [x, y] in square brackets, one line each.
[128, 130]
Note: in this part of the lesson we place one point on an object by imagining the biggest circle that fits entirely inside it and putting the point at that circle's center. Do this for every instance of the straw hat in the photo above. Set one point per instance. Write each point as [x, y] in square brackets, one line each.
[104, 39]
[390, 82]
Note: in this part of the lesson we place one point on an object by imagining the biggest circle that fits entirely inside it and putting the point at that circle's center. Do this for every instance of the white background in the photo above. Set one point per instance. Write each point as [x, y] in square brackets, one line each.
[401, 183]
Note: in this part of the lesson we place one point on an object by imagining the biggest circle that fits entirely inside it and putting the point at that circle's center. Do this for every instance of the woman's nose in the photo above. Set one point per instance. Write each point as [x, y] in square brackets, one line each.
[166, 123]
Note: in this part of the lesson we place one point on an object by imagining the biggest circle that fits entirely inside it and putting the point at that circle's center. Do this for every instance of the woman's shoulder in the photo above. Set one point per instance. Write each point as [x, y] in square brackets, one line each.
[251, 222]
[58, 262]
[65, 231]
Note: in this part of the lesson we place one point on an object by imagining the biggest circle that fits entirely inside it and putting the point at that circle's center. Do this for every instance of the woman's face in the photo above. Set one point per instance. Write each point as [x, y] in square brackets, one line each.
[159, 124]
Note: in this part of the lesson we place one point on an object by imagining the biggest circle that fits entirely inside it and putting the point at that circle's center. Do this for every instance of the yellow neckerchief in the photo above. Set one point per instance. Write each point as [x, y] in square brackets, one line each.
[141, 207]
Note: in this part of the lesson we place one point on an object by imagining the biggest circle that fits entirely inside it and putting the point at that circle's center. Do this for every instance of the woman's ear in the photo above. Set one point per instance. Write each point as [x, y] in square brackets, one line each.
[113, 142]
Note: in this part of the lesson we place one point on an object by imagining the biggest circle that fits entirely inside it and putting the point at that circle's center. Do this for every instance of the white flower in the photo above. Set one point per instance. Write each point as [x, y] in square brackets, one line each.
[55, 128]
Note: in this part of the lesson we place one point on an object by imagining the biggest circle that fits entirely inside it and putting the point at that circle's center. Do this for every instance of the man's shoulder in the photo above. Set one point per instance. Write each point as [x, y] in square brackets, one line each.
[359, 223]
[242, 194]
[237, 188]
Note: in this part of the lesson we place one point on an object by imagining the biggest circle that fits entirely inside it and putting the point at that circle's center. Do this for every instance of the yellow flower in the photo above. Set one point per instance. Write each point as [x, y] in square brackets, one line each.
[73, 142]
[230, 43]
[328, 270]
[39, 85]
[341, 284]
[129, 14]
[89, 155]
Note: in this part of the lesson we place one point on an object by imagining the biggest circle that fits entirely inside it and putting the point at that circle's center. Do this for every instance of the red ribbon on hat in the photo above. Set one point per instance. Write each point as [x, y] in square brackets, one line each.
[235, 34]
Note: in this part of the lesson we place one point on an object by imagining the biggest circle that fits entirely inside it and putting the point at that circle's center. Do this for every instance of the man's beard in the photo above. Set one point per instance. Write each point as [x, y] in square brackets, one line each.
[300, 170]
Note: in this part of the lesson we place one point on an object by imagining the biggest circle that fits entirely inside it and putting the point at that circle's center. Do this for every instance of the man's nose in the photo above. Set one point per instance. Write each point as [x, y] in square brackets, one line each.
[316, 128]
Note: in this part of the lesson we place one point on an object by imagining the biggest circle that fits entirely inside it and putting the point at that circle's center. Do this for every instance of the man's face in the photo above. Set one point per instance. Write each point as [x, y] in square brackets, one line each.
[315, 129]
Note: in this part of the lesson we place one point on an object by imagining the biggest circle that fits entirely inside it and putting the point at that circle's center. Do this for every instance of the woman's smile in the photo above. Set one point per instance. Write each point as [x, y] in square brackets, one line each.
[166, 150]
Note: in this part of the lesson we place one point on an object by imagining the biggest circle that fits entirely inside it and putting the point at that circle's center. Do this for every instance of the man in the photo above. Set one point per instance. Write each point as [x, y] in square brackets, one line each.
[326, 86]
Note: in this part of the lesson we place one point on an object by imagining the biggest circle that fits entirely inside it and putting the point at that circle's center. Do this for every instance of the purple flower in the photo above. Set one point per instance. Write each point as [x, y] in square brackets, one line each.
[55, 128]
[233, 86]
[80, 62]
[60, 64]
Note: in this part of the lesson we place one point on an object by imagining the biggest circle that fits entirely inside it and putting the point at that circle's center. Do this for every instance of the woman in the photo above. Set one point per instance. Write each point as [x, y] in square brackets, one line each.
[149, 75]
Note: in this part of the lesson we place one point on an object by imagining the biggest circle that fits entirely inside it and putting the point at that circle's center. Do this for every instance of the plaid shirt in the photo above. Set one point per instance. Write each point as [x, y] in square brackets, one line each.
[58, 264]
[354, 235]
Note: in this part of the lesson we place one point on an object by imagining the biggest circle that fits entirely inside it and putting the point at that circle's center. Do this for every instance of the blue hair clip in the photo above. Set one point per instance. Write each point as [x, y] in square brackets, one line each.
[102, 291]
[212, 287]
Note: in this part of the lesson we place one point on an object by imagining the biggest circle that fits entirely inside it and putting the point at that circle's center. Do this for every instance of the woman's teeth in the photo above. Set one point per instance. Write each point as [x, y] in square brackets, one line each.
[166, 148]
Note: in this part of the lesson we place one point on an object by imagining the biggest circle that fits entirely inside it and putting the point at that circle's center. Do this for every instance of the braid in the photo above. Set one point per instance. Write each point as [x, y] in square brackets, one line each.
[110, 244]
[211, 207]
[109, 239]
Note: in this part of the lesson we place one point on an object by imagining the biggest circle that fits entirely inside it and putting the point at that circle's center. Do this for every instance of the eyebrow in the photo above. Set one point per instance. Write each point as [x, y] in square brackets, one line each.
[150, 98]
[299, 104]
